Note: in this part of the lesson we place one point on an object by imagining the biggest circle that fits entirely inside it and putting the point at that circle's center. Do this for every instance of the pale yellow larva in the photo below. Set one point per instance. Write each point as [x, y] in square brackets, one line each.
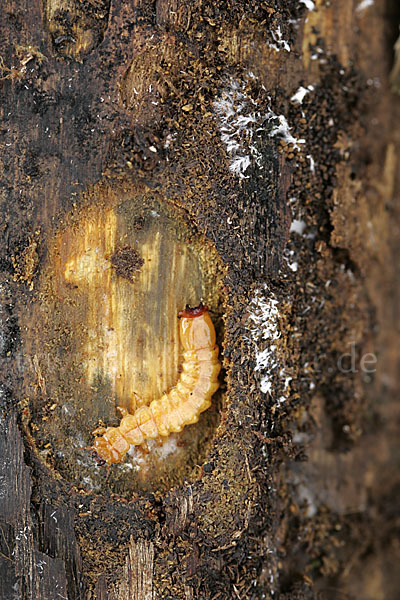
[183, 403]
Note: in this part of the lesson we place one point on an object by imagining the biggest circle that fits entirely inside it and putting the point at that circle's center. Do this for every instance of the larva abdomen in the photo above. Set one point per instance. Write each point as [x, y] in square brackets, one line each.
[183, 404]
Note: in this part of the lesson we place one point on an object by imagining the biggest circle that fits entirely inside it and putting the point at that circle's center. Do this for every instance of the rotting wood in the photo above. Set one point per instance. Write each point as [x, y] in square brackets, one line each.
[75, 29]
[24, 566]
[248, 519]
[137, 582]
[119, 343]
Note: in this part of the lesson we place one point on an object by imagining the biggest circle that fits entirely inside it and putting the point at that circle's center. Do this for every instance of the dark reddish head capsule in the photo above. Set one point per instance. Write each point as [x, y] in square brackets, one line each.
[191, 313]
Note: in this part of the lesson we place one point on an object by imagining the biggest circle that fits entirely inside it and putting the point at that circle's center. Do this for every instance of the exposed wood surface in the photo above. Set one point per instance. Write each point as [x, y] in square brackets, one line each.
[153, 155]
[101, 335]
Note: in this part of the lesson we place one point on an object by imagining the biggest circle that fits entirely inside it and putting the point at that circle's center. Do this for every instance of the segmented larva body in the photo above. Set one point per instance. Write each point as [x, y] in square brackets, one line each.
[183, 404]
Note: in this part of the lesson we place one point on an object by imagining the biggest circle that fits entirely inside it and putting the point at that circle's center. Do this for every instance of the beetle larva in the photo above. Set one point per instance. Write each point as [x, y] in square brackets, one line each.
[183, 404]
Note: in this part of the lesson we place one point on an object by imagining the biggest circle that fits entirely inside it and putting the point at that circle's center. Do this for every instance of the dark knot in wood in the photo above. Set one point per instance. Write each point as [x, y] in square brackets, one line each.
[126, 262]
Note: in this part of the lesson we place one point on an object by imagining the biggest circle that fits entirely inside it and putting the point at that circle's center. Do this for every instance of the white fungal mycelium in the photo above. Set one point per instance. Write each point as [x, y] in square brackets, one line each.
[364, 4]
[308, 4]
[298, 226]
[312, 163]
[282, 131]
[301, 93]
[266, 334]
[242, 124]
[239, 120]
[279, 43]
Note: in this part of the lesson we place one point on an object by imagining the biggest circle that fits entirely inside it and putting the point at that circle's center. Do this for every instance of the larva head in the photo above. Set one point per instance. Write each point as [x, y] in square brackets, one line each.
[196, 328]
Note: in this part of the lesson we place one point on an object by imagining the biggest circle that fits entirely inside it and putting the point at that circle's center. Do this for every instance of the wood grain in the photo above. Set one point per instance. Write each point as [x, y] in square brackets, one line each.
[96, 339]
[76, 30]
[108, 112]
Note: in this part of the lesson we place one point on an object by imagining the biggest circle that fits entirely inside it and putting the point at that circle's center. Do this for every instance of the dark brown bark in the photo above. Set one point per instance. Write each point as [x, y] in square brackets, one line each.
[154, 154]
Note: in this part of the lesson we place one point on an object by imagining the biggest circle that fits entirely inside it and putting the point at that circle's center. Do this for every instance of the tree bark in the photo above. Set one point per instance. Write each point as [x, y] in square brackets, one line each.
[158, 154]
